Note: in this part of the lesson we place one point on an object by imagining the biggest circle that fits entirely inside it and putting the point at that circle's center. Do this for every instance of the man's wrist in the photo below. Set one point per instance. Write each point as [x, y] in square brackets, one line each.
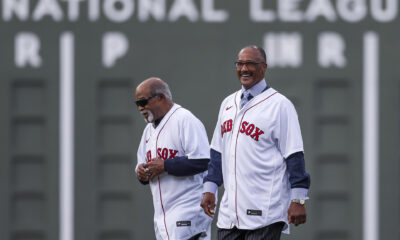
[166, 165]
[299, 201]
[210, 187]
[298, 193]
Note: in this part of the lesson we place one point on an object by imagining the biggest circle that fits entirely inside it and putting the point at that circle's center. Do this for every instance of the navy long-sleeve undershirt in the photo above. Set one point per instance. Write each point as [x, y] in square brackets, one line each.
[214, 168]
[183, 166]
[298, 177]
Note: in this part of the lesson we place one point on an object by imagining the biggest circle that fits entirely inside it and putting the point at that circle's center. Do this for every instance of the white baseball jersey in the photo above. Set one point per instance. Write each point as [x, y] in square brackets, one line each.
[254, 142]
[176, 200]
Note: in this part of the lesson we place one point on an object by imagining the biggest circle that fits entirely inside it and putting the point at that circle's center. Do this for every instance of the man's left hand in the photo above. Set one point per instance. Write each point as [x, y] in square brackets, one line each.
[297, 214]
[156, 167]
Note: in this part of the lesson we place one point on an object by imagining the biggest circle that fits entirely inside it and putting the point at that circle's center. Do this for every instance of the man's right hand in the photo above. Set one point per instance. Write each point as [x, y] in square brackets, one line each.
[208, 204]
[141, 173]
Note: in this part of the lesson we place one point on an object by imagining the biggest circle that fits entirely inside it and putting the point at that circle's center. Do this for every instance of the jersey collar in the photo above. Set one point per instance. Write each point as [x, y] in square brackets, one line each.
[256, 89]
[171, 110]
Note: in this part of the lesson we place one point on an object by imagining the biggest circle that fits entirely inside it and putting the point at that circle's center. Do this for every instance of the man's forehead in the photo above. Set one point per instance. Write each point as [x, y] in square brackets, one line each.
[143, 89]
[249, 52]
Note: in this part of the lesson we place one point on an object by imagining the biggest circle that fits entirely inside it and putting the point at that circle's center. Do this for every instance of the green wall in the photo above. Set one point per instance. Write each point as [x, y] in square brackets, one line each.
[316, 52]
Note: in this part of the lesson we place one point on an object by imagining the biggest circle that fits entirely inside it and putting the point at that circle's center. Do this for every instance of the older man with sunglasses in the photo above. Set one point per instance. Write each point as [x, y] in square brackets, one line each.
[172, 157]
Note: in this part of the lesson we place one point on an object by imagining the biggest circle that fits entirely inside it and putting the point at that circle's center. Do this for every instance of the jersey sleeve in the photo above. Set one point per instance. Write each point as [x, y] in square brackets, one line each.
[141, 152]
[214, 176]
[216, 141]
[194, 138]
[288, 130]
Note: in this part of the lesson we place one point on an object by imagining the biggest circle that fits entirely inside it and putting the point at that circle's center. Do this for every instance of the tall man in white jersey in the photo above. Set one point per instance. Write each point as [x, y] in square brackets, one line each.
[257, 153]
[172, 157]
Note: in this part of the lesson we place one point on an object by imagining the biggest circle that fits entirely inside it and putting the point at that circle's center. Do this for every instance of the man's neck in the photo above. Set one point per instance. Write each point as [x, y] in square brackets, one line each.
[157, 122]
[164, 112]
[256, 88]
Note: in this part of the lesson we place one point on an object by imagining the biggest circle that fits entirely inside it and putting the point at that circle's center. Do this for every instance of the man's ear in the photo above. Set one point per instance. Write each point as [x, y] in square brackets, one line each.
[161, 96]
[265, 66]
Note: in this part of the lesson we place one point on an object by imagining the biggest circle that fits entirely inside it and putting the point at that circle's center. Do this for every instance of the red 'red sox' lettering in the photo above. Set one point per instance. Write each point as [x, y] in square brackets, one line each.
[226, 127]
[148, 155]
[251, 130]
[163, 153]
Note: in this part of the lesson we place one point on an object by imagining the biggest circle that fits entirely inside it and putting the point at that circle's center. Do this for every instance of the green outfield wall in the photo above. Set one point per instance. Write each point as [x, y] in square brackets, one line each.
[69, 129]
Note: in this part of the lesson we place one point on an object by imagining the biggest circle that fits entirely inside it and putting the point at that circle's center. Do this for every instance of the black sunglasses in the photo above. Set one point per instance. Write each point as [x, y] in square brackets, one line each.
[144, 101]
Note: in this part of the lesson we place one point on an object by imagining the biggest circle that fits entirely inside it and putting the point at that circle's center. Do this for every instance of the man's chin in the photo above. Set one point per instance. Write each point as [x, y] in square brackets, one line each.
[147, 120]
[148, 116]
[245, 81]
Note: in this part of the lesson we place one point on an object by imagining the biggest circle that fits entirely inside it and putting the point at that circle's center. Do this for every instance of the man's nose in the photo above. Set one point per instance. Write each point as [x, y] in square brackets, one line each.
[244, 67]
[140, 108]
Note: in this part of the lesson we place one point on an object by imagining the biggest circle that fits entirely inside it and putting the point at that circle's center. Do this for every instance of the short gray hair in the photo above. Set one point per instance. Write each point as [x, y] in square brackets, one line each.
[161, 87]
